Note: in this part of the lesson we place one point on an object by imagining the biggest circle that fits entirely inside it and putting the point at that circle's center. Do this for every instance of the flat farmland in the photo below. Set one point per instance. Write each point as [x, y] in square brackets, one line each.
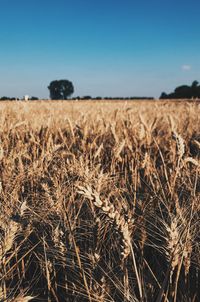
[100, 201]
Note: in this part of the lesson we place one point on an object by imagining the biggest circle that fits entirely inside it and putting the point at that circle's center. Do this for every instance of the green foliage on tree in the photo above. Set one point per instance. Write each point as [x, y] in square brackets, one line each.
[6, 98]
[34, 98]
[60, 89]
[183, 92]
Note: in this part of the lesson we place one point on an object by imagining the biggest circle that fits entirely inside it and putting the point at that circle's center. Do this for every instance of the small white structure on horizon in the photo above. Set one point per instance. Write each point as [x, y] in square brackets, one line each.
[26, 97]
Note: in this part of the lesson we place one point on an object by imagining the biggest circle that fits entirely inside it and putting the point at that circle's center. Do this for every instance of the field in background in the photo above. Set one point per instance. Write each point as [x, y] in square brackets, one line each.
[100, 201]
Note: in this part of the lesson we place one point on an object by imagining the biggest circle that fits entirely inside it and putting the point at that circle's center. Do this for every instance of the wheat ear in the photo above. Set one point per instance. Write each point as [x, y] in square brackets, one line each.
[114, 216]
[121, 225]
[180, 144]
[22, 299]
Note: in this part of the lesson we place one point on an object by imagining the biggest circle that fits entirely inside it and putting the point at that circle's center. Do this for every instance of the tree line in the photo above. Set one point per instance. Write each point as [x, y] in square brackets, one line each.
[183, 92]
[63, 90]
[7, 98]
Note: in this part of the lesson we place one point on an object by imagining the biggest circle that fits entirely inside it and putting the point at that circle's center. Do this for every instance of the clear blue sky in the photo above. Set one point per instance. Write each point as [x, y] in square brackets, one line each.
[106, 48]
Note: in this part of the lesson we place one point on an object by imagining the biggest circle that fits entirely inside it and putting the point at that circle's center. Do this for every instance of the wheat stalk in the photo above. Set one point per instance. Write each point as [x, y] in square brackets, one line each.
[114, 216]
[180, 144]
[173, 245]
[121, 225]
[197, 143]
[192, 161]
[178, 242]
[21, 298]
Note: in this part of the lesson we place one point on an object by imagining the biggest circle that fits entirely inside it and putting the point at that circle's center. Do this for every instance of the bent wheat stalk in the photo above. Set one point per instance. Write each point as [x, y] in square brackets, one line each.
[118, 220]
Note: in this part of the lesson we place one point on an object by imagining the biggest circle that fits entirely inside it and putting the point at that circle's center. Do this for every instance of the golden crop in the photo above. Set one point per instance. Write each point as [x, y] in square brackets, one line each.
[99, 201]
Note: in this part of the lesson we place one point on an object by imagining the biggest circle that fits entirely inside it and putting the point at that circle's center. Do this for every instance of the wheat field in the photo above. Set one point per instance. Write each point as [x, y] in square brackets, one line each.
[99, 201]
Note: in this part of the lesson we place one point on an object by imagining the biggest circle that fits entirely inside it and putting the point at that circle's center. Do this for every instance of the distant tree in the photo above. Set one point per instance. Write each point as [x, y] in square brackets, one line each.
[60, 89]
[195, 84]
[4, 98]
[34, 98]
[195, 89]
[183, 92]
[86, 97]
